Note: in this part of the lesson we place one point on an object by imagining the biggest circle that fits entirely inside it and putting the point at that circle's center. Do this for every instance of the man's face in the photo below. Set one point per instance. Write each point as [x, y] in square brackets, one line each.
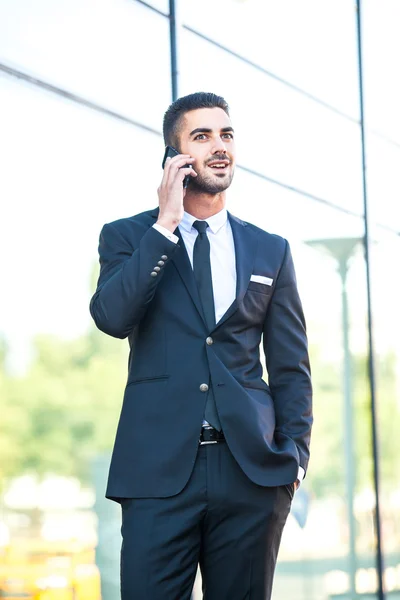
[207, 135]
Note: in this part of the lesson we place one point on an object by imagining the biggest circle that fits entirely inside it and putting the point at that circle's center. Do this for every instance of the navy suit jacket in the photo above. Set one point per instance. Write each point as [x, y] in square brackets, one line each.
[267, 426]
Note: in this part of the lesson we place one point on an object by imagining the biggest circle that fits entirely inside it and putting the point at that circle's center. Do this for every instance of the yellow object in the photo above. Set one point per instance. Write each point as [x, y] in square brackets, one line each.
[39, 570]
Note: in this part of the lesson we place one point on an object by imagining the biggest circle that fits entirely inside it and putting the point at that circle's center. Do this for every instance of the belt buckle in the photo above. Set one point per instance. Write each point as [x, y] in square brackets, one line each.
[209, 441]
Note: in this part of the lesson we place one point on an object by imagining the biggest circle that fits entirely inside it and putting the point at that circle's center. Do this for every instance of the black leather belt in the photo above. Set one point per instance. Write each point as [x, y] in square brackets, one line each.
[209, 435]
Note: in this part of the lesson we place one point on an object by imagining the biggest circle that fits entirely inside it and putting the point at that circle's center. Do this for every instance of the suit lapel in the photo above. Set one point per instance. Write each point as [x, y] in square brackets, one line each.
[183, 266]
[245, 241]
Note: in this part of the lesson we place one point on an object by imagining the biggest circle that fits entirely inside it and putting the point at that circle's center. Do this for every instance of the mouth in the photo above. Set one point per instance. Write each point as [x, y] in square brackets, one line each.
[220, 166]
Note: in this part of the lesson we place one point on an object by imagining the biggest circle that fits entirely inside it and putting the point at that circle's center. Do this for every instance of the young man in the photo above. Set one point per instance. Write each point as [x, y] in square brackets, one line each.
[207, 455]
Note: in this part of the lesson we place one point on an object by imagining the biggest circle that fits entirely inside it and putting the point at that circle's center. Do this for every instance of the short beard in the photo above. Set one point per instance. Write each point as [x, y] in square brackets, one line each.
[205, 185]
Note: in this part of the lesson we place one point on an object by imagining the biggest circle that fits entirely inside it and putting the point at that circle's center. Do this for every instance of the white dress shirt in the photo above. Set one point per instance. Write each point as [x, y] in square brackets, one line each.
[222, 255]
[222, 258]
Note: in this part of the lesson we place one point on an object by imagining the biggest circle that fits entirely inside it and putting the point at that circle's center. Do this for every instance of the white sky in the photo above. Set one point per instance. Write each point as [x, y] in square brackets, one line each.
[66, 169]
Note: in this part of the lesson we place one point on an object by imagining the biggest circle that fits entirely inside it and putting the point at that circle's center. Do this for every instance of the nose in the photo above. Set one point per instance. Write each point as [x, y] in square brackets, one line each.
[219, 146]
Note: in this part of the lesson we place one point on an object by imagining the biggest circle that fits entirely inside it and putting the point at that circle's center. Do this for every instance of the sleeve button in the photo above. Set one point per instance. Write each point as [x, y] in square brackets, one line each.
[164, 257]
[153, 274]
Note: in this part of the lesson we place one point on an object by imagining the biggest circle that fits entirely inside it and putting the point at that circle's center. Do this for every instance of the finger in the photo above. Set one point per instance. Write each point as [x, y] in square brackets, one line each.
[181, 174]
[172, 170]
[172, 160]
[169, 163]
[179, 162]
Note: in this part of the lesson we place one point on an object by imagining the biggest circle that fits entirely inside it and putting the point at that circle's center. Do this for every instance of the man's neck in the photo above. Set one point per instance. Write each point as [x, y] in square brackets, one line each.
[203, 206]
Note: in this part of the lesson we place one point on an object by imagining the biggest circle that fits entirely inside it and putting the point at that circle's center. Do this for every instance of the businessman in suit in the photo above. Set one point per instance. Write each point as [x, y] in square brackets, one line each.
[207, 455]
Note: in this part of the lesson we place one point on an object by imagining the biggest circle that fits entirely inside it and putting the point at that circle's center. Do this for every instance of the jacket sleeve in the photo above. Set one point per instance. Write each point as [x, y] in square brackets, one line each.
[287, 361]
[125, 286]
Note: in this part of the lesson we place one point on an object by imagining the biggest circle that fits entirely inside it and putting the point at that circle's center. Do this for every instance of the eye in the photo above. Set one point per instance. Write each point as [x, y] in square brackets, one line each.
[200, 136]
[228, 135]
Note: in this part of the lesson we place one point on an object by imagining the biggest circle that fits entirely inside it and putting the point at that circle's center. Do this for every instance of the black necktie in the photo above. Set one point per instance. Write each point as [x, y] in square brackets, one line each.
[202, 275]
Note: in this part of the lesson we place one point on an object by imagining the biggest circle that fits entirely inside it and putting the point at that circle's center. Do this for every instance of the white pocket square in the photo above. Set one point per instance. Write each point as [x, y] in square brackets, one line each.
[262, 279]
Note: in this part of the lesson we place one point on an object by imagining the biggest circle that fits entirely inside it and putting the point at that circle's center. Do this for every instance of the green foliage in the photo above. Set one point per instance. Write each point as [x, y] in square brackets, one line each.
[388, 417]
[65, 409]
[327, 454]
[328, 460]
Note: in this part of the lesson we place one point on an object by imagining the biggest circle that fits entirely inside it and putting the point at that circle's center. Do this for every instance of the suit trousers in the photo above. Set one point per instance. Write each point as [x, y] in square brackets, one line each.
[221, 520]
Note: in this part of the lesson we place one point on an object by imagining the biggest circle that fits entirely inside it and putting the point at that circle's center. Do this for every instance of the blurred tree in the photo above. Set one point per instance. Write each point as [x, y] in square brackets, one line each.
[388, 413]
[327, 464]
[65, 409]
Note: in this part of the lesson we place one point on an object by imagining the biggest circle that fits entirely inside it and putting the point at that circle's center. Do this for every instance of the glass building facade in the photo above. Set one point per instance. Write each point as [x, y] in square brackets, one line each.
[83, 89]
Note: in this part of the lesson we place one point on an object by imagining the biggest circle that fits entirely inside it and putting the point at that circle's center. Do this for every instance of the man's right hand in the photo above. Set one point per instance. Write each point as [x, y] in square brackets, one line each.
[171, 191]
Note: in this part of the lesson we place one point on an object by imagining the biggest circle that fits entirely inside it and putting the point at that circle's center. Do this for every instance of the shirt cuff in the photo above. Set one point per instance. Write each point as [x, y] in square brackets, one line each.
[300, 474]
[166, 232]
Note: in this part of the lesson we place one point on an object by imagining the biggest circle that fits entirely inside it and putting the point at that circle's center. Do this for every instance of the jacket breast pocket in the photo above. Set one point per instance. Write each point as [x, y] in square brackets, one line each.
[260, 288]
[255, 302]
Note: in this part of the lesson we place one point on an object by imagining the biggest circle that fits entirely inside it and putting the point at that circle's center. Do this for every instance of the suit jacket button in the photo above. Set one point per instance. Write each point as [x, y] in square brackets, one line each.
[161, 263]
[204, 387]
[164, 257]
[153, 274]
[209, 341]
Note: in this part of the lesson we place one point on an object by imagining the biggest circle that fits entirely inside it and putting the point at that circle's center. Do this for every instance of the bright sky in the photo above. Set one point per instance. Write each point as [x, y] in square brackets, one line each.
[67, 169]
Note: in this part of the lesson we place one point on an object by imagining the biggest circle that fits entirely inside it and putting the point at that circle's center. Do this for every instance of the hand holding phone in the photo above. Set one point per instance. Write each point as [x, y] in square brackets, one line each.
[171, 192]
[170, 152]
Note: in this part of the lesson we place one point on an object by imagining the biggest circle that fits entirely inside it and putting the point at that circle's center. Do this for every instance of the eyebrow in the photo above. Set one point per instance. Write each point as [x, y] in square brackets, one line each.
[208, 130]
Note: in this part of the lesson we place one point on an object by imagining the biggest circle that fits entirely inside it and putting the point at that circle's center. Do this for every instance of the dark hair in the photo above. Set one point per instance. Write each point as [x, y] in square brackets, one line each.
[173, 116]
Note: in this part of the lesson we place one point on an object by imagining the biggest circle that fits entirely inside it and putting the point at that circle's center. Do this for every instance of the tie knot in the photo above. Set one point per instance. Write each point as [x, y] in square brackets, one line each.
[201, 226]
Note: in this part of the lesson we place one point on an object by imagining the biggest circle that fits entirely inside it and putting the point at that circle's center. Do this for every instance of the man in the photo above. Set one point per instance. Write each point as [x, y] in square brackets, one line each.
[207, 455]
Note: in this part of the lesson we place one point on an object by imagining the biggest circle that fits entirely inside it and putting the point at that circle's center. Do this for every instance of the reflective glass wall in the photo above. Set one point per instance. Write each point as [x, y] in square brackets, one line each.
[380, 44]
[83, 90]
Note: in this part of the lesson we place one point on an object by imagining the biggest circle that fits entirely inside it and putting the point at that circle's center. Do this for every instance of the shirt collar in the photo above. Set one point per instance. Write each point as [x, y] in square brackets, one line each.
[214, 223]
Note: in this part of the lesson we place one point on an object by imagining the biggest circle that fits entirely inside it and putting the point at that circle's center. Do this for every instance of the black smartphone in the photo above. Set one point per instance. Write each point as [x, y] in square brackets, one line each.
[171, 152]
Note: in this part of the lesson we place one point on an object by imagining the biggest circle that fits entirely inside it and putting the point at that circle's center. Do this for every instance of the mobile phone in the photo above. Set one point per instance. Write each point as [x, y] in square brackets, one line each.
[171, 152]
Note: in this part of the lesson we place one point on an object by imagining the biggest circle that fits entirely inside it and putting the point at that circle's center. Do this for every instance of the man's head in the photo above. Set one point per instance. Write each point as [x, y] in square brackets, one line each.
[199, 125]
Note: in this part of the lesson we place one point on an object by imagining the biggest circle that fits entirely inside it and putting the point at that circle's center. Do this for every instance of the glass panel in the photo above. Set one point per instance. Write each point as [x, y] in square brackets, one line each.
[310, 44]
[385, 251]
[279, 134]
[114, 53]
[162, 5]
[383, 161]
[381, 48]
[66, 171]
[381, 51]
